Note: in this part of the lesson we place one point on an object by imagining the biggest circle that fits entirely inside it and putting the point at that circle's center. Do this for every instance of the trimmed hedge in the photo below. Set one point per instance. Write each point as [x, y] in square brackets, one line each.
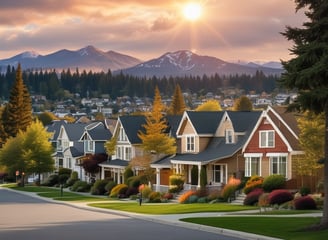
[253, 197]
[273, 182]
[280, 196]
[305, 203]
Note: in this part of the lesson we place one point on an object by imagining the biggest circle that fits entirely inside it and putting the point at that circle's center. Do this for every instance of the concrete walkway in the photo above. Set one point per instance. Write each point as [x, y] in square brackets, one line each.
[174, 219]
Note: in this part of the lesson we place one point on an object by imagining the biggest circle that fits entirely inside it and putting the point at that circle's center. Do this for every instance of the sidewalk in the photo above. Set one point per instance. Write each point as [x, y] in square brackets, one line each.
[174, 219]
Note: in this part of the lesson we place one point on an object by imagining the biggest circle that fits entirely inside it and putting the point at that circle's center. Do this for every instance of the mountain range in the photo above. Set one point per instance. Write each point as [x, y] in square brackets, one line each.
[179, 63]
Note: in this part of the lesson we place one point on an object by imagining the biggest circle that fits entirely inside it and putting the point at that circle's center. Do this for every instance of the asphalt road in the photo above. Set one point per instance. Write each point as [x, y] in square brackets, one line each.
[28, 218]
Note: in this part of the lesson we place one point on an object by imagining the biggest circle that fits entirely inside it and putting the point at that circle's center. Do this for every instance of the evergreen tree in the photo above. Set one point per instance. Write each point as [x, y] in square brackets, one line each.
[154, 138]
[18, 112]
[307, 71]
[178, 104]
[243, 104]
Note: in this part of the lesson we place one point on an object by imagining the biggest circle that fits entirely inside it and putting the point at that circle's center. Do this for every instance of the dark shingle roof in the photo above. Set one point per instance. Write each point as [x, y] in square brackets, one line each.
[205, 122]
[115, 163]
[173, 122]
[74, 130]
[99, 133]
[77, 150]
[132, 125]
[244, 121]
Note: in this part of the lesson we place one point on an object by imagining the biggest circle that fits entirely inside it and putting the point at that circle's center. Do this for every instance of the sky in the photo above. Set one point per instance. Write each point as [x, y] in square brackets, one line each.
[231, 30]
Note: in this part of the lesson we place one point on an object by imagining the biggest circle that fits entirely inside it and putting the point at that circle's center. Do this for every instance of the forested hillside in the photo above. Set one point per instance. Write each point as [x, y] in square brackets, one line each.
[94, 84]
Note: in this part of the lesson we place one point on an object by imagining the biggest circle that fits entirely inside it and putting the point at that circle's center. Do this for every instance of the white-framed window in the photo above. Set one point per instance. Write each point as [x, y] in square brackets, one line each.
[122, 136]
[278, 165]
[219, 173]
[190, 146]
[90, 145]
[267, 139]
[124, 152]
[252, 166]
[229, 136]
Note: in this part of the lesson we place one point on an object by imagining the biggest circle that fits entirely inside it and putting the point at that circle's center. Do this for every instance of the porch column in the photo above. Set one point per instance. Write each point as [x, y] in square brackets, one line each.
[102, 174]
[118, 173]
[158, 179]
[199, 170]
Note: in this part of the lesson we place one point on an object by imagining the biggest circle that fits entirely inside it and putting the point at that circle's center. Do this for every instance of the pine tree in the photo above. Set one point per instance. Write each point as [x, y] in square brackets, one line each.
[18, 112]
[177, 106]
[243, 104]
[307, 72]
[154, 138]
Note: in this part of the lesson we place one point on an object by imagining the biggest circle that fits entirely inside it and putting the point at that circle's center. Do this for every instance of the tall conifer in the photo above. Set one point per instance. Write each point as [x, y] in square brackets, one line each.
[17, 114]
[178, 105]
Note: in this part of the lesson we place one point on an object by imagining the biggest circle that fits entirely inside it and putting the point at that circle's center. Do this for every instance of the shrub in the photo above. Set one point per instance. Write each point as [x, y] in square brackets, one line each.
[114, 193]
[52, 180]
[264, 200]
[305, 191]
[213, 195]
[131, 191]
[62, 178]
[252, 183]
[64, 171]
[80, 186]
[305, 203]
[127, 174]
[253, 197]
[72, 179]
[133, 181]
[177, 181]
[280, 196]
[192, 199]
[146, 191]
[174, 189]
[184, 197]
[154, 197]
[230, 188]
[273, 182]
[109, 186]
[168, 196]
[202, 200]
[98, 187]
[122, 191]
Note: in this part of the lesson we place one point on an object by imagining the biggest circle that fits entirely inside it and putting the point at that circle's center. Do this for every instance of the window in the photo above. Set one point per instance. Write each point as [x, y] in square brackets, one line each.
[278, 165]
[229, 136]
[190, 143]
[219, 174]
[252, 166]
[124, 152]
[122, 136]
[127, 153]
[266, 139]
[89, 146]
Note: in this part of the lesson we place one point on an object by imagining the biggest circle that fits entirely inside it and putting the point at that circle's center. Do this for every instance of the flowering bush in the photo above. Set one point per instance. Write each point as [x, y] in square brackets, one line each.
[168, 196]
[264, 200]
[229, 189]
[253, 197]
[305, 203]
[117, 190]
[155, 197]
[280, 196]
[252, 183]
[184, 197]
[145, 191]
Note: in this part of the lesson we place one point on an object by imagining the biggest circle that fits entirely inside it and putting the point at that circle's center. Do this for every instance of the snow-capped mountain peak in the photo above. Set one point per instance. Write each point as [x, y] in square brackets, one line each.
[30, 54]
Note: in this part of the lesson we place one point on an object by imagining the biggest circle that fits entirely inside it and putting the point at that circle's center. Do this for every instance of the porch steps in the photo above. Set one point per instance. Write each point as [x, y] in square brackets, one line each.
[239, 199]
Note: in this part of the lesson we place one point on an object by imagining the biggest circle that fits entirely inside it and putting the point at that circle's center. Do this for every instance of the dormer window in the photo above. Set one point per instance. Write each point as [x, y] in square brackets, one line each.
[229, 136]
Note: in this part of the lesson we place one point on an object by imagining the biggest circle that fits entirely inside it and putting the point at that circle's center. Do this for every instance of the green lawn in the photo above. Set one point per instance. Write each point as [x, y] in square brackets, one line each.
[289, 228]
[174, 208]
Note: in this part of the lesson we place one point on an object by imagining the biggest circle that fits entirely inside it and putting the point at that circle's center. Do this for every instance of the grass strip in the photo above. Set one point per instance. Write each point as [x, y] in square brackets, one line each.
[289, 228]
[173, 208]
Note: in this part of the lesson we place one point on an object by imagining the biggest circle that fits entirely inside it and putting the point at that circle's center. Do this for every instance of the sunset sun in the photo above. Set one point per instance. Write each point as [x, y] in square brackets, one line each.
[192, 11]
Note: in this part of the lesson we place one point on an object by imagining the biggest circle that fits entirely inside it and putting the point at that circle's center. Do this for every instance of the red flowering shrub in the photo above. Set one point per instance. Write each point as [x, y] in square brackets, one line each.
[305, 203]
[253, 197]
[252, 183]
[280, 196]
[184, 197]
[168, 196]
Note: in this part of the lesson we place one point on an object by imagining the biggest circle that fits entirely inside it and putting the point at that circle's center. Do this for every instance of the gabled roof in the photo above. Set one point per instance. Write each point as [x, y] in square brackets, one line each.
[115, 163]
[216, 150]
[132, 125]
[203, 122]
[54, 128]
[98, 132]
[74, 130]
[77, 150]
[243, 121]
[173, 122]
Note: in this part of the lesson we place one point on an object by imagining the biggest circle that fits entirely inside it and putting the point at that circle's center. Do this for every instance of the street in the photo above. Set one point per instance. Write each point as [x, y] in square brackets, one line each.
[29, 218]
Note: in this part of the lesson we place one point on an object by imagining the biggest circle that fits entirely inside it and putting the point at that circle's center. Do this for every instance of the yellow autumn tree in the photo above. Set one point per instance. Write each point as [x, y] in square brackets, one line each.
[154, 137]
[210, 105]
